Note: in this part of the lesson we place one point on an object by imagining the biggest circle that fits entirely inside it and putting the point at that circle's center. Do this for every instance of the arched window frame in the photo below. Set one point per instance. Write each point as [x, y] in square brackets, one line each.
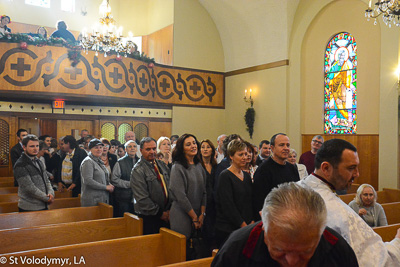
[340, 99]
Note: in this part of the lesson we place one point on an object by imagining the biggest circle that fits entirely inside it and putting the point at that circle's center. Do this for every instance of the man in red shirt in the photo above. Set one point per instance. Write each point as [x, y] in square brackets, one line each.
[307, 158]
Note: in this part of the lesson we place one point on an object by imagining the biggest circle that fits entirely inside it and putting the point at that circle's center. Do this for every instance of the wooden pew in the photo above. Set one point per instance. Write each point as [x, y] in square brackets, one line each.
[151, 250]
[60, 203]
[7, 184]
[46, 217]
[392, 211]
[9, 197]
[69, 233]
[353, 188]
[388, 195]
[14, 196]
[8, 190]
[387, 232]
[206, 262]
[7, 179]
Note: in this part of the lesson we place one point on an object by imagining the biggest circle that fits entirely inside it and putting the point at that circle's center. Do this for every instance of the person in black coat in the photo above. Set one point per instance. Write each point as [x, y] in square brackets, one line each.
[234, 194]
[68, 175]
[62, 32]
[273, 171]
[17, 150]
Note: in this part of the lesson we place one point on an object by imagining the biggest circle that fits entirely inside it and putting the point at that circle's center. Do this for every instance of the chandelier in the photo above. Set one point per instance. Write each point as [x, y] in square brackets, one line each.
[106, 37]
[389, 9]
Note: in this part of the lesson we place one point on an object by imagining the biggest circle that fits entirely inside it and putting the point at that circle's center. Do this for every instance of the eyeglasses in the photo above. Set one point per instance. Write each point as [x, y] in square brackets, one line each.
[318, 142]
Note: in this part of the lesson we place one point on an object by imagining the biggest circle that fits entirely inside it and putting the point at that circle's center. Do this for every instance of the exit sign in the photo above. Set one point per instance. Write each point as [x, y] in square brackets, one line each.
[58, 104]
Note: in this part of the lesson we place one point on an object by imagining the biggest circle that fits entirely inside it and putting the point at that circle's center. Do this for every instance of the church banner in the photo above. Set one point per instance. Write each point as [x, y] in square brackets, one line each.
[48, 70]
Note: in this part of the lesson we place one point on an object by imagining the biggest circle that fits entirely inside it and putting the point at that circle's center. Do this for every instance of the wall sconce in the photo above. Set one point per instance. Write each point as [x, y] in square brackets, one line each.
[398, 76]
[250, 114]
[248, 99]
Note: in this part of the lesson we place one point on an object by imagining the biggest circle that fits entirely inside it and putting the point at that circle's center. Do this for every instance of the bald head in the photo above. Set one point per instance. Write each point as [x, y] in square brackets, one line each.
[130, 135]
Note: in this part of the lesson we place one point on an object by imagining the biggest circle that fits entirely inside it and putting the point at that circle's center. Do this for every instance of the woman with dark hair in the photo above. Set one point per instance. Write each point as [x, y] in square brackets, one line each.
[187, 186]
[234, 201]
[250, 166]
[108, 158]
[209, 163]
[4, 21]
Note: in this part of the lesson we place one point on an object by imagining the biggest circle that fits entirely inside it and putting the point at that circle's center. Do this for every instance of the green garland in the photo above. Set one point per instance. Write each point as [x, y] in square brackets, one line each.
[249, 118]
[74, 53]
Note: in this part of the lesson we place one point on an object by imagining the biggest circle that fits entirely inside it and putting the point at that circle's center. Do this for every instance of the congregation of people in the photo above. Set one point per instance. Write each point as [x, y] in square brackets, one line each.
[255, 204]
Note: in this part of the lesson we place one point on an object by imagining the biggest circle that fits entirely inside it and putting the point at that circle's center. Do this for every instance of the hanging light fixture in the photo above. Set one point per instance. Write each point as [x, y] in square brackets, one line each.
[106, 37]
[389, 9]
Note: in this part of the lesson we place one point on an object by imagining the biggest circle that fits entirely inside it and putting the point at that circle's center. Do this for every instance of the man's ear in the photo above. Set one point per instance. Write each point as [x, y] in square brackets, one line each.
[326, 168]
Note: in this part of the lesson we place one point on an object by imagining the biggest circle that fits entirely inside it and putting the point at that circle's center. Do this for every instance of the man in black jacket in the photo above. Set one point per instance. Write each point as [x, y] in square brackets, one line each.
[17, 150]
[120, 178]
[68, 172]
[292, 233]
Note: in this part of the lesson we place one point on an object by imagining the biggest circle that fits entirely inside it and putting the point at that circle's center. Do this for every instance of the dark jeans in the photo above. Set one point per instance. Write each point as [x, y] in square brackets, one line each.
[152, 224]
[221, 237]
[121, 207]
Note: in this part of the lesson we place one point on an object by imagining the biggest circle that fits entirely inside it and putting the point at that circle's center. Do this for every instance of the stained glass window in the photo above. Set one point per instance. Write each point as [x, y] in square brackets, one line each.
[340, 101]
[41, 3]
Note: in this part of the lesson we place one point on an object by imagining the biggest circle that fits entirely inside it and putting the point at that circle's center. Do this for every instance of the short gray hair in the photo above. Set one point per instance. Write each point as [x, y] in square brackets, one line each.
[219, 137]
[294, 208]
[128, 142]
[359, 193]
[320, 137]
[146, 140]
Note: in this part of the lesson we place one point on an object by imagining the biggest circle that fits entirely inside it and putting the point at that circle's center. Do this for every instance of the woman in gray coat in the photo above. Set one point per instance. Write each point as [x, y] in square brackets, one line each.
[366, 206]
[187, 187]
[96, 187]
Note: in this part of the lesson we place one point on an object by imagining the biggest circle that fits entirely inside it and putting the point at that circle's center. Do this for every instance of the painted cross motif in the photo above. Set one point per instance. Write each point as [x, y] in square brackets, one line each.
[115, 75]
[164, 85]
[143, 80]
[195, 88]
[20, 67]
[73, 72]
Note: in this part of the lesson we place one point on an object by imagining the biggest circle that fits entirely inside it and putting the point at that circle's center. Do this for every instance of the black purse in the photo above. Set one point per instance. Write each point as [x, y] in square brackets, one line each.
[196, 247]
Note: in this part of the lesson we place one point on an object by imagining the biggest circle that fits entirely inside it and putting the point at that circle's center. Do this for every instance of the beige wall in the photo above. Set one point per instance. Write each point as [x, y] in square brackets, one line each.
[197, 45]
[204, 123]
[143, 17]
[269, 93]
[196, 39]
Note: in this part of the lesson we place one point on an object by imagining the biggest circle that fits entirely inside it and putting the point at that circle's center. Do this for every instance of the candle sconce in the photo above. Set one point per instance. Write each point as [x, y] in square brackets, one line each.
[250, 115]
[248, 99]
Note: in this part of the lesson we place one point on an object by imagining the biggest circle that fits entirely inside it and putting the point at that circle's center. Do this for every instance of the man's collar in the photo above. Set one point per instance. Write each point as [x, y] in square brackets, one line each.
[325, 181]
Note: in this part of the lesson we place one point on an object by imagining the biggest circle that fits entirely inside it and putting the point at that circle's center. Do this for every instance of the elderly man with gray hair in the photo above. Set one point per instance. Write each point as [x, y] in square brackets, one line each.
[121, 179]
[293, 232]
